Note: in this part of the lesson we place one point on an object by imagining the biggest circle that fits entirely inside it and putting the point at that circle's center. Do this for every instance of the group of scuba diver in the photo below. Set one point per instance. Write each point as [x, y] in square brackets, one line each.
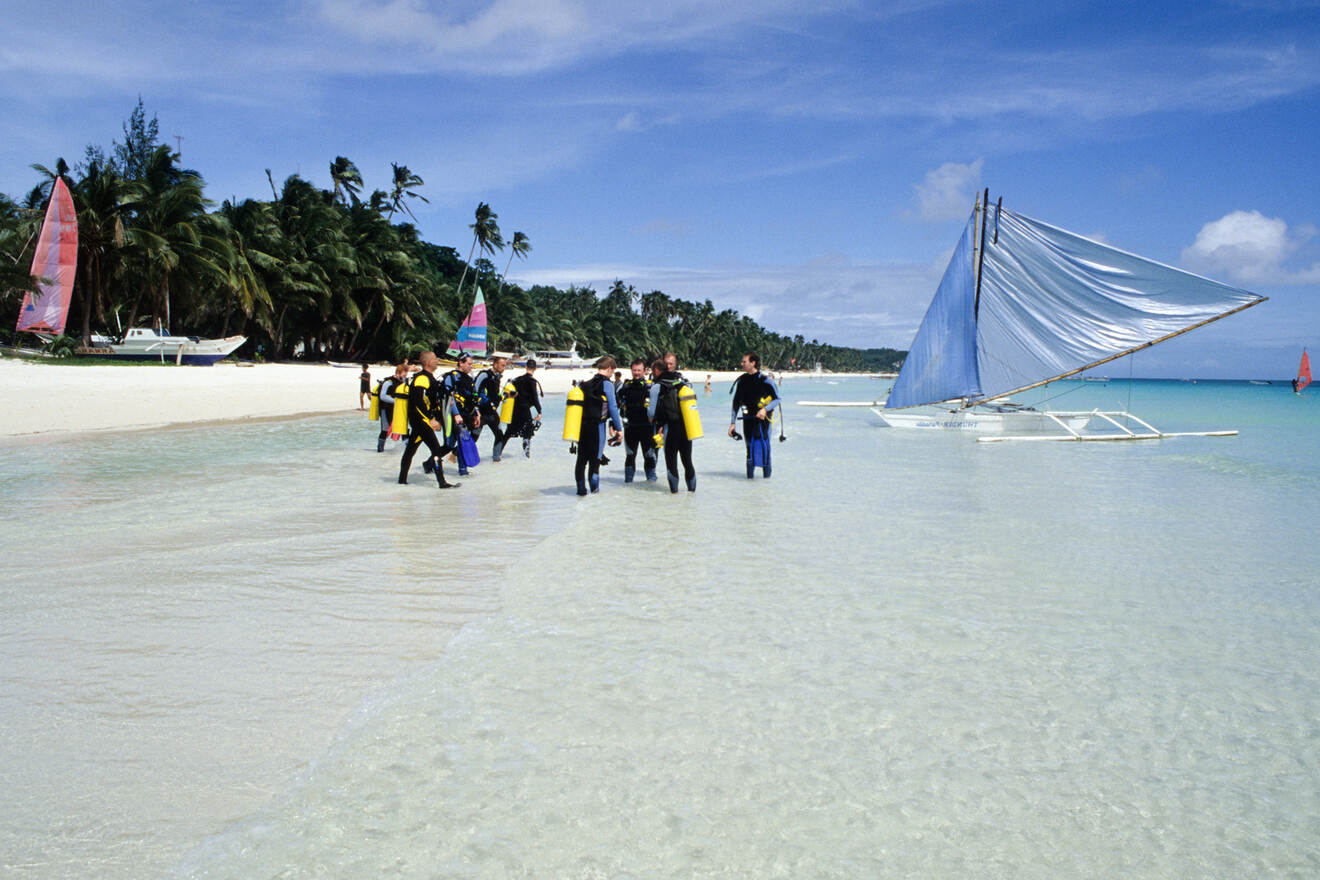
[646, 413]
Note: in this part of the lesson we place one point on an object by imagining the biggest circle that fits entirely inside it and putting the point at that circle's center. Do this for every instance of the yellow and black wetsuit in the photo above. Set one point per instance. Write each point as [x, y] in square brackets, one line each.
[423, 408]
[488, 402]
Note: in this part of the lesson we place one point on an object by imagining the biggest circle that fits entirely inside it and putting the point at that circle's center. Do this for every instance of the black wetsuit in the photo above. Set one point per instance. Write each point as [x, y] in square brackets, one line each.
[488, 404]
[598, 405]
[528, 398]
[668, 417]
[749, 390]
[462, 391]
[634, 394]
[424, 405]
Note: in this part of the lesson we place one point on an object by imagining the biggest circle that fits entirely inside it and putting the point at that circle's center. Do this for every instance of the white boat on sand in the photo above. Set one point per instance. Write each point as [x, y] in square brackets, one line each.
[146, 344]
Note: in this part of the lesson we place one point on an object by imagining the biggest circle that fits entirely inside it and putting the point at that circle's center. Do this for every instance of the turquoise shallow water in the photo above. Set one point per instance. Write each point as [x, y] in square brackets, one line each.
[243, 651]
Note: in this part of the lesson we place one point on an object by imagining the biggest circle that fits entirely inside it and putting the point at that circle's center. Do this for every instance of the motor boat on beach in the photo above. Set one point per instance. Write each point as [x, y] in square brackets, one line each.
[147, 344]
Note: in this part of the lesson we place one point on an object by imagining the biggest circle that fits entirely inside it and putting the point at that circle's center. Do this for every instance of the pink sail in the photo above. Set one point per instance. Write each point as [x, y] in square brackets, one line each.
[471, 336]
[54, 266]
[1303, 372]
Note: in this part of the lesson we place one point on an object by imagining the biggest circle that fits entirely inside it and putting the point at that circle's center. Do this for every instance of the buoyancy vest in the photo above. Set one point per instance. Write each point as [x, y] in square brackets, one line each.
[667, 408]
[488, 389]
[459, 385]
[634, 395]
[594, 407]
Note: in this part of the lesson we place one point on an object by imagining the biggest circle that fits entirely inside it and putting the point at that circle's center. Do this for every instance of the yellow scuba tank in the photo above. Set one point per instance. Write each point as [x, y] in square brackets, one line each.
[506, 405]
[399, 418]
[687, 404]
[573, 415]
[373, 412]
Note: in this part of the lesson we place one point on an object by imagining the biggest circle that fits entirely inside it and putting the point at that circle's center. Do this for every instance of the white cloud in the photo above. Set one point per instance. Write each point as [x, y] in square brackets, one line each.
[1250, 248]
[947, 192]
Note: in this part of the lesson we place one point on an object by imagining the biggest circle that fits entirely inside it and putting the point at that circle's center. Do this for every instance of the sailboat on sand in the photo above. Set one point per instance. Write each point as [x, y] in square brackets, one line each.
[471, 335]
[54, 265]
[1023, 304]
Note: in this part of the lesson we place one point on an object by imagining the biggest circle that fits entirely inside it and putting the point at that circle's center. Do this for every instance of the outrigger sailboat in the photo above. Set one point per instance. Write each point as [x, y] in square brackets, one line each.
[471, 335]
[1023, 304]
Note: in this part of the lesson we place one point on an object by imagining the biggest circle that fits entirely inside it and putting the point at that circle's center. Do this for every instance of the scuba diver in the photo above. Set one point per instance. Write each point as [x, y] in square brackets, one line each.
[598, 406]
[528, 396]
[755, 398]
[489, 382]
[633, 395]
[385, 392]
[425, 417]
[462, 393]
[665, 409]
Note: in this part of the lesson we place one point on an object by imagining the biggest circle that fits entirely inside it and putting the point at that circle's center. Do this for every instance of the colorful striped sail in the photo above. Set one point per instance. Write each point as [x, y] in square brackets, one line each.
[471, 336]
[54, 266]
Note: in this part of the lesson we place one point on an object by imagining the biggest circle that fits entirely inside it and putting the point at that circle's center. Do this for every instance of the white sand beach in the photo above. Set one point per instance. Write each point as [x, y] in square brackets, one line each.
[40, 397]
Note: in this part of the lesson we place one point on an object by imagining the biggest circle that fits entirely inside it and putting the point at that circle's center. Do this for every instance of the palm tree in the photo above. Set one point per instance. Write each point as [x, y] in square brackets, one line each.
[165, 236]
[101, 194]
[486, 233]
[347, 178]
[520, 247]
[404, 183]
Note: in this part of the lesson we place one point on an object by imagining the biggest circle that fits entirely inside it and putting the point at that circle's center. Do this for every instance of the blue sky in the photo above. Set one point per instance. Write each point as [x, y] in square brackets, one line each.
[808, 163]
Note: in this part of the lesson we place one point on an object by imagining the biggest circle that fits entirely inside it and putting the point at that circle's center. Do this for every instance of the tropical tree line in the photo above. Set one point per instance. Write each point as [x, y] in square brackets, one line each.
[333, 274]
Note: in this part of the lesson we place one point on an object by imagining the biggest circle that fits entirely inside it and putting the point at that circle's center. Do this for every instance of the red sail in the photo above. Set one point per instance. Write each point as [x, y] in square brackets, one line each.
[53, 265]
[1304, 372]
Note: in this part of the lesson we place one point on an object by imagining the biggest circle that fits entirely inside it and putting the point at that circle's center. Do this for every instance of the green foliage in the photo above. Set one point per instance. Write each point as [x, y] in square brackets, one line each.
[326, 273]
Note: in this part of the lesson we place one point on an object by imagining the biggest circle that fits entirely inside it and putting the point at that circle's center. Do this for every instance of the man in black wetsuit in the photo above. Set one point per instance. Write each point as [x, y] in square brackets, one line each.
[489, 383]
[634, 394]
[461, 391]
[424, 419]
[600, 413]
[526, 402]
[667, 416]
[755, 397]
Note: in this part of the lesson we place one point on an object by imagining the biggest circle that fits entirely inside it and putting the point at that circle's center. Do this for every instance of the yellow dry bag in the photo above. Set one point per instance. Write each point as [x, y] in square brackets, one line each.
[399, 418]
[573, 415]
[506, 405]
[687, 404]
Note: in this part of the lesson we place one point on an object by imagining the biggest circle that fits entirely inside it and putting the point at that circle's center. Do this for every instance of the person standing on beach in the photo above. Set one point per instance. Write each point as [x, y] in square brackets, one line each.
[527, 398]
[598, 405]
[755, 397]
[364, 386]
[425, 417]
[634, 394]
[489, 382]
[667, 415]
[462, 394]
[386, 394]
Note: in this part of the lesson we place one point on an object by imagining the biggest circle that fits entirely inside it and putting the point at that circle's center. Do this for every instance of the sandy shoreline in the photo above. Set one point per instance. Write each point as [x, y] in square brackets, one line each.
[42, 398]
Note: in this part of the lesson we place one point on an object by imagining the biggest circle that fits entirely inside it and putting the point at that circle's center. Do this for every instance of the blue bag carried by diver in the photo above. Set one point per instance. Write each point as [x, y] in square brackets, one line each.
[760, 446]
[467, 449]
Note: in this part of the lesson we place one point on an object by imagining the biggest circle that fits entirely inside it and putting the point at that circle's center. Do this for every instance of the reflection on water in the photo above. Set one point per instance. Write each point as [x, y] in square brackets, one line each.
[904, 655]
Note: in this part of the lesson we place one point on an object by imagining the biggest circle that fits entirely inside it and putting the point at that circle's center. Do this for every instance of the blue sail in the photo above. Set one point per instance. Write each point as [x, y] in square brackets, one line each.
[1051, 304]
[941, 364]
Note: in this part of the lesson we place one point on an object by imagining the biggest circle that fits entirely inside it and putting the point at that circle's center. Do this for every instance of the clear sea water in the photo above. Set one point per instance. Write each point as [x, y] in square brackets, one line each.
[243, 651]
